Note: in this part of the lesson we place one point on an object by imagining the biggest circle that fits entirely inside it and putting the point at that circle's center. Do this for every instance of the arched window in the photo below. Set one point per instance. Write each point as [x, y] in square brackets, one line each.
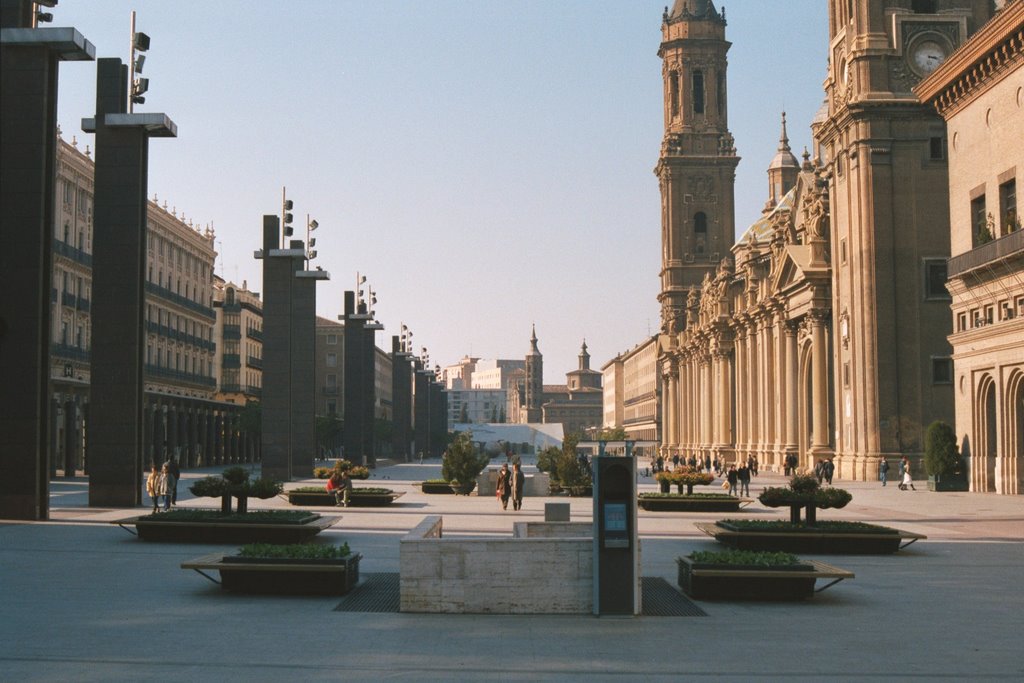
[700, 231]
[673, 92]
[698, 92]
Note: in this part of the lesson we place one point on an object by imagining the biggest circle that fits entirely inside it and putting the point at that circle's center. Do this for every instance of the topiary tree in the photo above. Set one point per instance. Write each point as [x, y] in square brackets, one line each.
[234, 483]
[462, 464]
[941, 457]
[804, 492]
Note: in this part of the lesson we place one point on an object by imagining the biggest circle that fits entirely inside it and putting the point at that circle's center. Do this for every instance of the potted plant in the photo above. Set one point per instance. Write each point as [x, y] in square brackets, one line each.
[435, 486]
[462, 464]
[804, 492]
[942, 460]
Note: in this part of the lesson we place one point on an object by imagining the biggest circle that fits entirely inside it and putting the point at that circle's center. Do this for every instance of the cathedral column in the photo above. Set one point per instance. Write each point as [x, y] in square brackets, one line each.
[739, 350]
[782, 387]
[673, 389]
[725, 440]
[709, 401]
[819, 382]
[753, 385]
[668, 409]
[792, 373]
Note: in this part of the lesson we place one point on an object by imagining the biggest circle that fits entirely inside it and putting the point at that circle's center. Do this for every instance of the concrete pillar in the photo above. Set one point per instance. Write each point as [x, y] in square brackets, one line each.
[70, 437]
[28, 138]
[119, 275]
[739, 353]
[752, 388]
[278, 278]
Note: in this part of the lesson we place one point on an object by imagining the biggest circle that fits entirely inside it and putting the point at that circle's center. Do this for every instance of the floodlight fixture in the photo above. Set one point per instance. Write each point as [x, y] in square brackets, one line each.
[46, 3]
[313, 224]
[140, 41]
[44, 17]
[139, 62]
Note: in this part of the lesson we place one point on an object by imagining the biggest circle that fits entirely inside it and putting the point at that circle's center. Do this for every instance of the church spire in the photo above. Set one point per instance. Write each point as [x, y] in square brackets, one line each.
[584, 356]
[782, 171]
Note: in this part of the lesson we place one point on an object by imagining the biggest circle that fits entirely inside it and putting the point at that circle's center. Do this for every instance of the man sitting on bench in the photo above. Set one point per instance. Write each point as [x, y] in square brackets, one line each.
[341, 486]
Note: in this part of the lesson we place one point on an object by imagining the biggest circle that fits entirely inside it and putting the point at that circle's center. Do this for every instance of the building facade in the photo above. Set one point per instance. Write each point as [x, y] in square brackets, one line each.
[183, 417]
[632, 392]
[823, 333]
[979, 91]
[239, 335]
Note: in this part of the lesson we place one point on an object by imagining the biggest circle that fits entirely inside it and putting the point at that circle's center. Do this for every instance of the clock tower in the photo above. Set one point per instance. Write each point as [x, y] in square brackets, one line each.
[697, 166]
[887, 182]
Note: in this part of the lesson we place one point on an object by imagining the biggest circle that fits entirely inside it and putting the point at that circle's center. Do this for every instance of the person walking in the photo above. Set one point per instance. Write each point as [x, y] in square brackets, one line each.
[172, 467]
[908, 480]
[166, 485]
[503, 488]
[828, 469]
[743, 475]
[732, 477]
[883, 470]
[153, 485]
[518, 480]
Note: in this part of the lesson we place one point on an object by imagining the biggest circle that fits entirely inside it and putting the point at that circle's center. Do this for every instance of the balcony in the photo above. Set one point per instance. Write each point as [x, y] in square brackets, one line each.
[69, 352]
[67, 299]
[232, 332]
[153, 372]
[68, 251]
[253, 333]
[231, 361]
[83, 304]
[254, 362]
[163, 293]
[987, 254]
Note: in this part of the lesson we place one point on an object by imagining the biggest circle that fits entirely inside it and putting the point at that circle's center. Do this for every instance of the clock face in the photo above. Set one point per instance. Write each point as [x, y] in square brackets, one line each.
[928, 55]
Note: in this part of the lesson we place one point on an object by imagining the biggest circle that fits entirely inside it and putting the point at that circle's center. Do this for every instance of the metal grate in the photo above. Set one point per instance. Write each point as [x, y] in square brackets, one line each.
[662, 600]
[376, 592]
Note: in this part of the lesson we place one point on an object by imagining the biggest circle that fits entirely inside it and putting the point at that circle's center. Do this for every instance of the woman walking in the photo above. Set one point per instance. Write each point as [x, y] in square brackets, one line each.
[907, 479]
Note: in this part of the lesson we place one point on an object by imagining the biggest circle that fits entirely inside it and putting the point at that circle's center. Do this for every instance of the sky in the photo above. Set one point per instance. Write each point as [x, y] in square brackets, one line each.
[487, 165]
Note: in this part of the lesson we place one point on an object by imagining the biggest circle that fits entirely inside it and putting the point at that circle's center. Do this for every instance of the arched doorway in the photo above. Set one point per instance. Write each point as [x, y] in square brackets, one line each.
[986, 447]
[806, 407]
[1014, 438]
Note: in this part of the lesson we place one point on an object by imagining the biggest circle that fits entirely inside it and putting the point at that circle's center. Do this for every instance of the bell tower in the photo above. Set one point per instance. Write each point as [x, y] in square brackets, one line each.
[697, 166]
[885, 157]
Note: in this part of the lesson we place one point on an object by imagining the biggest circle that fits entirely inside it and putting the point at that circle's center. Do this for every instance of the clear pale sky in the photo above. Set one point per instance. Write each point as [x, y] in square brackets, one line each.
[486, 164]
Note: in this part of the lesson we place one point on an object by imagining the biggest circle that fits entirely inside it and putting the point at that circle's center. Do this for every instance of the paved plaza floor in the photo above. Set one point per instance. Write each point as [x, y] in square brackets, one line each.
[83, 600]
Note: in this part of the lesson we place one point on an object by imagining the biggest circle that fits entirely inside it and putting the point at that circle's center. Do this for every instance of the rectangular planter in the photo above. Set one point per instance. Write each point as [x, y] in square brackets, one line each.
[324, 498]
[438, 488]
[288, 577]
[224, 532]
[746, 583]
[681, 504]
[817, 543]
[951, 483]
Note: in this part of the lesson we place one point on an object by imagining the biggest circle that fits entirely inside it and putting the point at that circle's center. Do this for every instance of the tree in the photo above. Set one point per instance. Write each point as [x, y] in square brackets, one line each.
[612, 434]
[462, 464]
[941, 457]
[463, 415]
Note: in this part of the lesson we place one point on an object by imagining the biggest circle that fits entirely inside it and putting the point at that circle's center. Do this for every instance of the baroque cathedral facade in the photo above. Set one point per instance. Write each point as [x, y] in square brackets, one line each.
[822, 331]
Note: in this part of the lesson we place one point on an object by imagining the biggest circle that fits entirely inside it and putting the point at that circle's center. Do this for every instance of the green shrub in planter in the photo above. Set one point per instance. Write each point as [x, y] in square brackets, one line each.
[750, 558]
[941, 457]
[462, 464]
[295, 551]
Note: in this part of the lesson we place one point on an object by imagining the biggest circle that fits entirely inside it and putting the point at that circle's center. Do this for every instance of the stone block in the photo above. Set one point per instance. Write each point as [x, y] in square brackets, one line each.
[556, 512]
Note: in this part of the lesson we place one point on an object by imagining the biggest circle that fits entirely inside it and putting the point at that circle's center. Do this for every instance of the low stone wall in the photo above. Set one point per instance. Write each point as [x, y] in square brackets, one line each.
[536, 571]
